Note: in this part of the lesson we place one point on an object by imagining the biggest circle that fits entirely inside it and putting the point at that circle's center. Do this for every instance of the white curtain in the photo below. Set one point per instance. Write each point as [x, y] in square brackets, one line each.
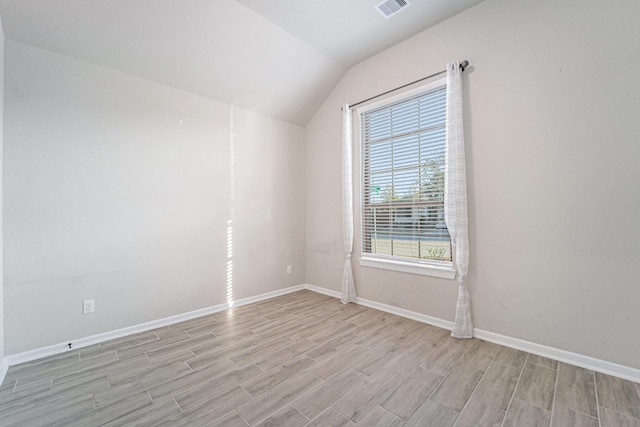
[455, 198]
[348, 289]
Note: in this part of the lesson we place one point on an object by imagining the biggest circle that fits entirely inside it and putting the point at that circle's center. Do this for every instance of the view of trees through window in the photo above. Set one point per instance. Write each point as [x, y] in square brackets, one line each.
[403, 179]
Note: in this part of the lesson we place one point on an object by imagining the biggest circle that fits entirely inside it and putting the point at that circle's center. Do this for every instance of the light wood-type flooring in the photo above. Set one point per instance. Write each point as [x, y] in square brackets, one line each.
[306, 359]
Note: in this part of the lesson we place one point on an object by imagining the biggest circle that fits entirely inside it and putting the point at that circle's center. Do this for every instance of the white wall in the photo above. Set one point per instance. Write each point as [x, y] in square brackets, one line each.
[1, 196]
[119, 189]
[553, 156]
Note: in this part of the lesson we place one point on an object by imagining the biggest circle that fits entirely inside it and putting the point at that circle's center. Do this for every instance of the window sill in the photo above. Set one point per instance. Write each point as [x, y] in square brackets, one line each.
[443, 272]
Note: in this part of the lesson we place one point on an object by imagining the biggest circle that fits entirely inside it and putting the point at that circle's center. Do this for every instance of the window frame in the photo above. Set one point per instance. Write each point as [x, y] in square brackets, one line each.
[445, 270]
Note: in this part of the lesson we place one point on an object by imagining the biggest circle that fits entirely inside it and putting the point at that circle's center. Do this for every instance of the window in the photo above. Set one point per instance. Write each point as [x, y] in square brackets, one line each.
[403, 153]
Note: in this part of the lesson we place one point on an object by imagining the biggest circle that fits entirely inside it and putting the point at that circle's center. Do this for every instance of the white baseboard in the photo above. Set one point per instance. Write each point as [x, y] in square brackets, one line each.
[321, 290]
[388, 308]
[587, 362]
[576, 359]
[51, 350]
[4, 367]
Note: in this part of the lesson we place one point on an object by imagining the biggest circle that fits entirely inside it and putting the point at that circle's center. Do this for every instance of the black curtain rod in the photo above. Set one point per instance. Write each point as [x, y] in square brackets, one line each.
[464, 64]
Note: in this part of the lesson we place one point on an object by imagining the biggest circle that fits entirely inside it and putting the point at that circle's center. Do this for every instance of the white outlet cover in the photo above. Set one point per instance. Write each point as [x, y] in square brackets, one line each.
[88, 306]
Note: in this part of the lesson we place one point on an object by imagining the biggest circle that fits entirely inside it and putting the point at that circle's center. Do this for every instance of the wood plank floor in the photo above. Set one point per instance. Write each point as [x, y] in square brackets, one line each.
[306, 359]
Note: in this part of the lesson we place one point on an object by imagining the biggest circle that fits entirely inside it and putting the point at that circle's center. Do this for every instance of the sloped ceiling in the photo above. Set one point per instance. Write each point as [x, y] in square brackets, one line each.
[350, 31]
[276, 57]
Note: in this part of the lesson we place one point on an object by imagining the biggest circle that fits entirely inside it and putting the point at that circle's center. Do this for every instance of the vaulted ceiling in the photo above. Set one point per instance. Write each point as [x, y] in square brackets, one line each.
[276, 57]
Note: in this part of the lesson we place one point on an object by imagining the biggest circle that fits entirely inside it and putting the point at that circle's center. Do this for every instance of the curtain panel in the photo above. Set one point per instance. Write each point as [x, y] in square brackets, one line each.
[455, 198]
[348, 288]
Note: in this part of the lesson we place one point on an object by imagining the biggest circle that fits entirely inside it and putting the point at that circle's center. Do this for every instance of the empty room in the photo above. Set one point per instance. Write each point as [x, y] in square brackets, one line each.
[320, 213]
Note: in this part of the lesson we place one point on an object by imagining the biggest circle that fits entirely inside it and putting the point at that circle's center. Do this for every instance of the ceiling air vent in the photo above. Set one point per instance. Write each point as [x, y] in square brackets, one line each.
[388, 8]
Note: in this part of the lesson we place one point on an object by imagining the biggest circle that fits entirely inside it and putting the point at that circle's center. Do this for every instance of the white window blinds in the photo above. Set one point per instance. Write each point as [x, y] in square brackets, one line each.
[403, 180]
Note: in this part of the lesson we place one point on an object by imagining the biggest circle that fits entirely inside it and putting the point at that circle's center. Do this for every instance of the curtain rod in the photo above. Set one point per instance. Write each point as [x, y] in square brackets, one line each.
[464, 64]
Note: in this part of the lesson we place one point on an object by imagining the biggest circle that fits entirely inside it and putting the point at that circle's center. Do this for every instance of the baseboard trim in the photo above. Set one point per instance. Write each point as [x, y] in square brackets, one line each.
[52, 350]
[598, 365]
[4, 367]
[576, 359]
[388, 308]
[587, 362]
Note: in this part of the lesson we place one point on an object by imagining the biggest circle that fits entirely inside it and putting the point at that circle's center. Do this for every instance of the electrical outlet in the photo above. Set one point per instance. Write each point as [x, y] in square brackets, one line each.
[288, 269]
[87, 306]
